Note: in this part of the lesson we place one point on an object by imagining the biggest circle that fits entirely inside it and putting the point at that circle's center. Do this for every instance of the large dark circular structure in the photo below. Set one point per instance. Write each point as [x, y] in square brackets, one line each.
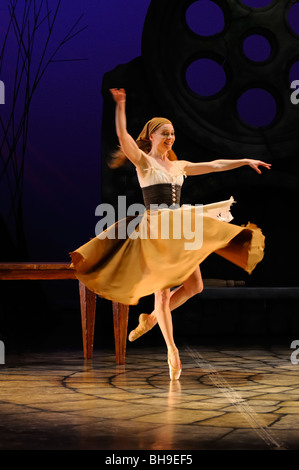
[223, 68]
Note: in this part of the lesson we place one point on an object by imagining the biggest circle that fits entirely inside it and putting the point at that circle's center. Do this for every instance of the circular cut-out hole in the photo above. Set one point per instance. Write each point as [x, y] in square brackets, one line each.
[257, 107]
[257, 3]
[293, 18]
[205, 77]
[205, 18]
[257, 48]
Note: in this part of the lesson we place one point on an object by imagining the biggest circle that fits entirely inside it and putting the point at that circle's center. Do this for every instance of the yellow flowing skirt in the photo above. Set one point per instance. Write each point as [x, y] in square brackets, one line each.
[134, 258]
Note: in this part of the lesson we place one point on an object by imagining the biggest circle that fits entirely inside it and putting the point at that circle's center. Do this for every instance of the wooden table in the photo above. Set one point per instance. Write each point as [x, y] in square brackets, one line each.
[47, 271]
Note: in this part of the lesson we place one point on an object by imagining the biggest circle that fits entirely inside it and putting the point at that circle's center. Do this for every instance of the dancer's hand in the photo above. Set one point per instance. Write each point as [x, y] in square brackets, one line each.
[255, 164]
[119, 94]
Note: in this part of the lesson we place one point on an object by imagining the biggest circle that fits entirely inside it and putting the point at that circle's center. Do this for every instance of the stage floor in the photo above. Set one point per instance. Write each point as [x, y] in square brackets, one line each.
[227, 398]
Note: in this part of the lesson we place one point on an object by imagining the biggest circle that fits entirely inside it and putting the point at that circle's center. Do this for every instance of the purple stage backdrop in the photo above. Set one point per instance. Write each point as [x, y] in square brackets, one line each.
[62, 171]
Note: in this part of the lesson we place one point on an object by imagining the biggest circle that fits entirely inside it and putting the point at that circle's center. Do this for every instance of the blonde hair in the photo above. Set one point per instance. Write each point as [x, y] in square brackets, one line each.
[143, 141]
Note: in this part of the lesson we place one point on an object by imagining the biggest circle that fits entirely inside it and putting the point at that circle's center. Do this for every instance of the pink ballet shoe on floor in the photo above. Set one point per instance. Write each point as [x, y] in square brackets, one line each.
[143, 327]
[173, 372]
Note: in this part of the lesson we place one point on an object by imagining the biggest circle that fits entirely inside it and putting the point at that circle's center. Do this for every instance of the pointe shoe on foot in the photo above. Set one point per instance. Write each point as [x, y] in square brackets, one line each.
[174, 373]
[143, 327]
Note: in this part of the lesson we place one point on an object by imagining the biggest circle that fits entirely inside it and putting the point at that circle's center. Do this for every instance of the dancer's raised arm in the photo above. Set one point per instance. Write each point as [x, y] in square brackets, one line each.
[126, 141]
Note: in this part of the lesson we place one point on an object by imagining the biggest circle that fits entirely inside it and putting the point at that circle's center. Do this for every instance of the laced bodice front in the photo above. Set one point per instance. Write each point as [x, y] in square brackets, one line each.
[159, 186]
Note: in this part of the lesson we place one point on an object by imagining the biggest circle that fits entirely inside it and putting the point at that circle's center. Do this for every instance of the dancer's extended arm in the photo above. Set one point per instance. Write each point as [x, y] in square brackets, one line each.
[221, 165]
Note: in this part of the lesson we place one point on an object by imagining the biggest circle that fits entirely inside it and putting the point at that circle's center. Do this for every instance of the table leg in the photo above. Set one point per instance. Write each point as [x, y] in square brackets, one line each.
[88, 310]
[120, 319]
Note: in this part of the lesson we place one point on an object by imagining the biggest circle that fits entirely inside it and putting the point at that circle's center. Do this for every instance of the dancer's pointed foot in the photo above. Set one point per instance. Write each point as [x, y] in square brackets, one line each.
[146, 323]
[174, 363]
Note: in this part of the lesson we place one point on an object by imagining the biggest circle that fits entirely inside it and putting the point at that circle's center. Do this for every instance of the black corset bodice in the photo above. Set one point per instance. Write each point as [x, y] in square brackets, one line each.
[162, 193]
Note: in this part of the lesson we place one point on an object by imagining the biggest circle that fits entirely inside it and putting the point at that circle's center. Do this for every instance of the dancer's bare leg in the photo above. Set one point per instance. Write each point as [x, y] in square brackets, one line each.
[164, 319]
[192, 286]
[178, 296]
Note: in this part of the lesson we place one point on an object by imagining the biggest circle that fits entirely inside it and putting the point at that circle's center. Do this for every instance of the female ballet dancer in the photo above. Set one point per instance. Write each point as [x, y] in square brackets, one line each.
[126, 270]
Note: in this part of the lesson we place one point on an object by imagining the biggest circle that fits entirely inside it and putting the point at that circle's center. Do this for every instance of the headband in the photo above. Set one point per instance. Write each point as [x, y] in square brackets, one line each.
[151, 126]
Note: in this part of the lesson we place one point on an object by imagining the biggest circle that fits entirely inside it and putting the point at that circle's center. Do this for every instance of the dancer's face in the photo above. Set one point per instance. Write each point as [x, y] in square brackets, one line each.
[163, 138]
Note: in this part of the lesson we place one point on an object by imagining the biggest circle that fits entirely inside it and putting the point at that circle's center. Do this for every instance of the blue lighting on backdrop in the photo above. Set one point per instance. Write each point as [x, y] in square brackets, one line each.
[206, 77]
[257, 48]
[293, 18]
[205, 18]
[62, 166]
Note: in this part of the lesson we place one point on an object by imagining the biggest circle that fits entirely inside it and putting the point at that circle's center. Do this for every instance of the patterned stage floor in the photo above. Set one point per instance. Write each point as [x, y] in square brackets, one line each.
[227, 398]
